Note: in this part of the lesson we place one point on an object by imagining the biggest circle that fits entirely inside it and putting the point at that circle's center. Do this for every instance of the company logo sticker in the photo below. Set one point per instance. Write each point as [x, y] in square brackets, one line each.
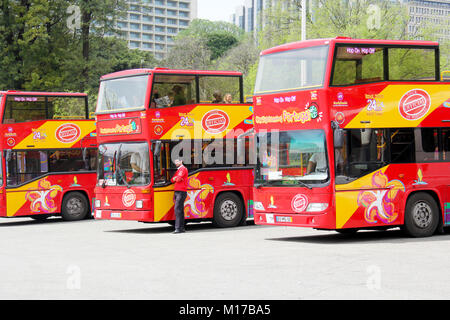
[215, 121]
[299, 203]
[414, 104]
[119, 127]
[128, 198]
[11, 142]
[68, 133]
[158, 130]
[341, 102]
[339, 117]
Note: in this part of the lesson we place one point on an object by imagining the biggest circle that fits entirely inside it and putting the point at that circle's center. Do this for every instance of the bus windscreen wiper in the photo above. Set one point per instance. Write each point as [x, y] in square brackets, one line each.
[262, 184]
[304, 184]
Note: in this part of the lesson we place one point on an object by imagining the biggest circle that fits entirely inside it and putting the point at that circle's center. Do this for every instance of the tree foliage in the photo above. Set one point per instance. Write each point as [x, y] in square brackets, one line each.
[212, 45]
[188, 53]
[201, 28]
[362, 19]
[203, 43]
[40, 51]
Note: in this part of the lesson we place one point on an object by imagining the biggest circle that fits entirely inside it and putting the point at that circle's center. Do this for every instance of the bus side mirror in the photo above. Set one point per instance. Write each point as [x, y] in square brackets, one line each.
[8, 155]
[338, 135]
[156, 148]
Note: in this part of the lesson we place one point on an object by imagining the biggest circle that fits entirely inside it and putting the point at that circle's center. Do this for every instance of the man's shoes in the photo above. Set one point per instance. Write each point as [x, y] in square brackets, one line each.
[178, 231]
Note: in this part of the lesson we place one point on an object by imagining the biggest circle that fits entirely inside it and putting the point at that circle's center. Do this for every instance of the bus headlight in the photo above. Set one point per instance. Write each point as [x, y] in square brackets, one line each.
[139, 204]
[98, 203]
[317, 207]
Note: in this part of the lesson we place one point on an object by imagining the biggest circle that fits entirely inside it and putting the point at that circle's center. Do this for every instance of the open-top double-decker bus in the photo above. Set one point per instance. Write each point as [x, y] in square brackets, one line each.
[353, 134]
[146, 118]
[48, 155]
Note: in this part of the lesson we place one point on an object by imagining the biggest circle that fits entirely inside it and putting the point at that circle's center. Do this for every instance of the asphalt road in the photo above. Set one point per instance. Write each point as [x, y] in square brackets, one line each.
[130, 260]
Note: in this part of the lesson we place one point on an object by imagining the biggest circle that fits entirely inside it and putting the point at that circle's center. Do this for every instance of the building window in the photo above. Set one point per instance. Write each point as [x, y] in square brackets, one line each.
[184, 5]
[135, 16]
[135, 26]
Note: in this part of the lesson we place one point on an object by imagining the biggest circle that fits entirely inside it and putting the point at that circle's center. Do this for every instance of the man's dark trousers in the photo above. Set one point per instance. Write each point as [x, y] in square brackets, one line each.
[178, 198]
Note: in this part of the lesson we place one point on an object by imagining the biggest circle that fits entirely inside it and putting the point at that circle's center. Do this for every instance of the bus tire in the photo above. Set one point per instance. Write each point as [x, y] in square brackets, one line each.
[228, 210]
[421, 215]
[75, 206]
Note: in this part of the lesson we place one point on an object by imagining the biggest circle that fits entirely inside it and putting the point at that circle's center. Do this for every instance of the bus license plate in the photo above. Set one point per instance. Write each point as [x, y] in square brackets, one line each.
[116, 215]
[284, 219]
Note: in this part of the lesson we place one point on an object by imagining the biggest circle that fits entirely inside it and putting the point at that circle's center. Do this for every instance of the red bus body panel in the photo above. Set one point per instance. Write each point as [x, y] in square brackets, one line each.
[165, 124]
[44, 194]
[376, 105]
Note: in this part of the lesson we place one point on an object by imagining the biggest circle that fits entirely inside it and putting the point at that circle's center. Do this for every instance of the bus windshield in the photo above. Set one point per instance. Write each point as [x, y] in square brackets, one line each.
[25, 108]
[124, 164]
[292, 158]
[292, 70]
[123, 94]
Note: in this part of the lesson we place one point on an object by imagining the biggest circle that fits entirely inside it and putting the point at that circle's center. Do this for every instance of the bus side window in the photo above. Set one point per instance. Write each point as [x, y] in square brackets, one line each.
[446, 144]
[214, 88]
[402, 146]
[364, 151]
[357, 65]
[427, 144]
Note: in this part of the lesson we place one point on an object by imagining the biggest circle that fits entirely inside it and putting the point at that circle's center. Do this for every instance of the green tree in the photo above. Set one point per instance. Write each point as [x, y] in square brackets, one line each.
[188, 53]
[219, 43]
[363, 19]
[201, 28]
[242, 58]
[39, 51]
[216, 37]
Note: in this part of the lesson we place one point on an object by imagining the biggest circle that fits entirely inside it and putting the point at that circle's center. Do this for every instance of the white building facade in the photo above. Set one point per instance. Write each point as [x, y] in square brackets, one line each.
[436, 12]
[151, 25]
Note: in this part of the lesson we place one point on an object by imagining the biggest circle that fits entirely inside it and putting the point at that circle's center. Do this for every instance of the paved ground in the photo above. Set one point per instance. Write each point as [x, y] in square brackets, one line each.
[129, 260]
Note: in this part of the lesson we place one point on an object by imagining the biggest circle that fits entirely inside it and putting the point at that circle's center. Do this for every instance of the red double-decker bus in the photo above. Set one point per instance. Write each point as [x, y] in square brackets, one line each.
[48, 155]
[146, 119]
[353, 134]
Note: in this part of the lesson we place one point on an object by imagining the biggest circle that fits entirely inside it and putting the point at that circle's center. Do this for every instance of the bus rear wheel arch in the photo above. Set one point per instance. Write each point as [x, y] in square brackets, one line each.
[228, 210]
[75, 206]
[422, 215]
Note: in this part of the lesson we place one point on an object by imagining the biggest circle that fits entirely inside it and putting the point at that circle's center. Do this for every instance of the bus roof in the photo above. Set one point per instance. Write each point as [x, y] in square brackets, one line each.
[346, 40]
[132, 72]
[36, 93]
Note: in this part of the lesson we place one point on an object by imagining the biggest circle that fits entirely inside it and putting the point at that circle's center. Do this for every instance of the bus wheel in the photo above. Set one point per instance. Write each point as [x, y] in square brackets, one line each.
[228, 210]
[75, 206]
[421, 215]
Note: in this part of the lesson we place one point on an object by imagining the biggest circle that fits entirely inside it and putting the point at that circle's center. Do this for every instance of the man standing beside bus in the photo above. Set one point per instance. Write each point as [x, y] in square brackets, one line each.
[181, 181]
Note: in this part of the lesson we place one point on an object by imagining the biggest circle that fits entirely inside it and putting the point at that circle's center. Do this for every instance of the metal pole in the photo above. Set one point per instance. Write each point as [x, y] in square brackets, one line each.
[303, 20]
[303, 62]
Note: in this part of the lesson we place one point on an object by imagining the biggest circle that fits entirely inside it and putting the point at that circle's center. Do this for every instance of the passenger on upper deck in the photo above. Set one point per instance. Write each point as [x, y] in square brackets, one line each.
[228, 98]
[217, 97]
[179, 98]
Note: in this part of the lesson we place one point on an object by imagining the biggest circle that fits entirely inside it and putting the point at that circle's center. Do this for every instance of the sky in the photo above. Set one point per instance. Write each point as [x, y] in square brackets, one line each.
[217, 10]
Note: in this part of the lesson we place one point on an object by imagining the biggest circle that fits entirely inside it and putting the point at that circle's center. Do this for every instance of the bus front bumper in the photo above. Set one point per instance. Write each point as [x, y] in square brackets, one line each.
[293, 220]
[132, 215]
